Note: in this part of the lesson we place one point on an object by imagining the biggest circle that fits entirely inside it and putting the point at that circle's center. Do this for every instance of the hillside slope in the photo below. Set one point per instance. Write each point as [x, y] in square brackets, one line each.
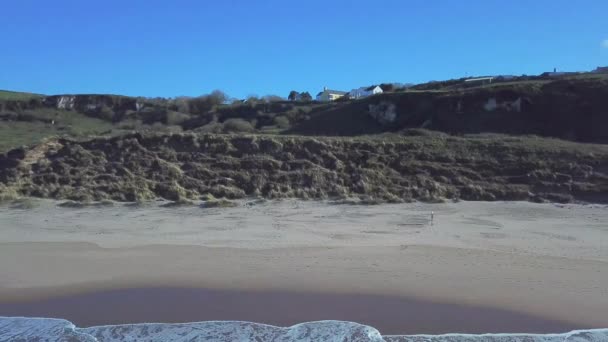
[572, 108]
[390, 168]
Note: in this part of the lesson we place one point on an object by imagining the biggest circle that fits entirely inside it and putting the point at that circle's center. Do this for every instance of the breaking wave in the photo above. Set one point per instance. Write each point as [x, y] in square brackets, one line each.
[59, 330]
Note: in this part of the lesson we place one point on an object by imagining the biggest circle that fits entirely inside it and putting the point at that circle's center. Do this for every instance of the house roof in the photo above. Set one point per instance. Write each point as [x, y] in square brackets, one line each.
[329, 91]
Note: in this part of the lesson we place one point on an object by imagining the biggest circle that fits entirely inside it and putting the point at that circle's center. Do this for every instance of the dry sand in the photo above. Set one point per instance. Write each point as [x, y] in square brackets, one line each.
[545, 260]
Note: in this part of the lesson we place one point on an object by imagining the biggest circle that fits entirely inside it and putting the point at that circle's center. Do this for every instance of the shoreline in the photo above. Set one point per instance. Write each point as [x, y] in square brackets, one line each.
[548, 262]
[391, 315]
[293, 273]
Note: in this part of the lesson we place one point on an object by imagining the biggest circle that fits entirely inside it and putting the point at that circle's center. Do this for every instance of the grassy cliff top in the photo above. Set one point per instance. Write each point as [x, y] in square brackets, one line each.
[6, 95]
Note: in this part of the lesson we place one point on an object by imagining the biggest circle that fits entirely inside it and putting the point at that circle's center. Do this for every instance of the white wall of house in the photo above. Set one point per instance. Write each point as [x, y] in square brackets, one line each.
[377, 90]
[364, 92]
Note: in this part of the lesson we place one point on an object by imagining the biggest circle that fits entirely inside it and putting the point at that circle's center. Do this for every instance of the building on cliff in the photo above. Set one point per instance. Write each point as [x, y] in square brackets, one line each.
[328, 95]
[600, 70]
[364, 92]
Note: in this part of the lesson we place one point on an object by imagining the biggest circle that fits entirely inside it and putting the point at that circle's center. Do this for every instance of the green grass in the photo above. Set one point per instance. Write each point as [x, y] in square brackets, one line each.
[525, 83]
[17, 96]
[17, 133]
[589, 76]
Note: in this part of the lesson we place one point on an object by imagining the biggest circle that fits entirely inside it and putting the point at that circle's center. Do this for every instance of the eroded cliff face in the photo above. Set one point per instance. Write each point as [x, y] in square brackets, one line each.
[186, 166]
[574, 109]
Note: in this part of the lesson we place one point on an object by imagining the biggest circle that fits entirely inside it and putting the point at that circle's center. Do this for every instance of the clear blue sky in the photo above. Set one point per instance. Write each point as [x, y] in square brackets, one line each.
[169, 48]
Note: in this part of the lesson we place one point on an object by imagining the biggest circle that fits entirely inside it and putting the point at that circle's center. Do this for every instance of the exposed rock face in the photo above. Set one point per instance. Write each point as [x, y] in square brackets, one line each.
[429, 168]
[66, 102]
[384, 112]
[107, 107]
[492, 105]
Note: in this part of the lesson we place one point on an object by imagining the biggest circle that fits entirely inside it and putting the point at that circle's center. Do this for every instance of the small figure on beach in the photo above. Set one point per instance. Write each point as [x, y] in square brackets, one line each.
[432, 217]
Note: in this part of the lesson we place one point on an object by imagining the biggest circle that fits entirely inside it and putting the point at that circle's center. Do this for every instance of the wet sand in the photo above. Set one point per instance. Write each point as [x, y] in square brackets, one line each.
[480, 267]
[389, 314]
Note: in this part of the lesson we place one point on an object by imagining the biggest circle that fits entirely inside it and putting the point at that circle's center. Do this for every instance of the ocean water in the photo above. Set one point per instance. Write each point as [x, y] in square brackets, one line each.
[59, 330]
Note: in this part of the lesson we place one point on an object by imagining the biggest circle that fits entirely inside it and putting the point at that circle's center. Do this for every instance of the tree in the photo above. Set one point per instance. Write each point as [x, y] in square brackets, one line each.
[217, 97]
[205, 103]
[273, 98]
[387, 87]
[293, 95]
[181, 104]
[305, 96]
[237, 125]
[252, 98]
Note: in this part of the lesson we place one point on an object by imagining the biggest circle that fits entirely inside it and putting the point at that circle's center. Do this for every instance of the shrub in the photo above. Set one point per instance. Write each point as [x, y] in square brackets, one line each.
[176, 118]
[281, 122]
[160, 128]
[238, 126]
[106, 113]
[130, 124]
[217, 97]
[208, 197]
[305, 97]
[252, 100]
[181, 104]
[212, 127]
[273, 98]
[205, 103]
[7, 194]
[152, 115]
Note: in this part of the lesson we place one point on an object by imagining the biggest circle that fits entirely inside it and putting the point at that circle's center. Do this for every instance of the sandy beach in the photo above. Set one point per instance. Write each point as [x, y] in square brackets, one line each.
[533, 267]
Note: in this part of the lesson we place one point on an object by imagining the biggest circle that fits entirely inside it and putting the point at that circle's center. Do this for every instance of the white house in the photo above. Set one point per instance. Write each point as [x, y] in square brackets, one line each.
[364, 92]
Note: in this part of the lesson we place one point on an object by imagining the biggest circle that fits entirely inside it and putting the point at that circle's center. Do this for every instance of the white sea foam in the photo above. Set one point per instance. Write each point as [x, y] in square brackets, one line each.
[17, 329]
[58, 330]
[236, 331]
[596, 335]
